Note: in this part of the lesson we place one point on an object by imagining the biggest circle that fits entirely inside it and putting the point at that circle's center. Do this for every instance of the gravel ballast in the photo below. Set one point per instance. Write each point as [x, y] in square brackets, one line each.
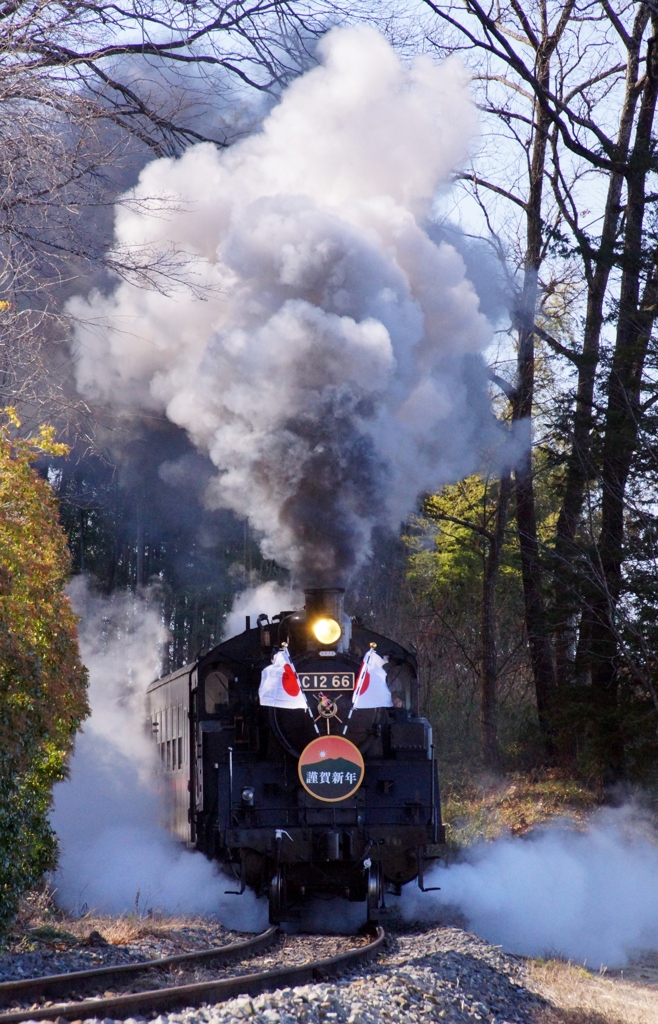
[439, 973]
[35, 957]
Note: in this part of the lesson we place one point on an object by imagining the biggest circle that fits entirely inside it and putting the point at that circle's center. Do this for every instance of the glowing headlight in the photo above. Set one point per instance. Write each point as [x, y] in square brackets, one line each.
[326, 631]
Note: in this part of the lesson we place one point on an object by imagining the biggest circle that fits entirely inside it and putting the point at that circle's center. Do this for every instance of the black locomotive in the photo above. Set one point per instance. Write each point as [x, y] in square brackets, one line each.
[233, 767]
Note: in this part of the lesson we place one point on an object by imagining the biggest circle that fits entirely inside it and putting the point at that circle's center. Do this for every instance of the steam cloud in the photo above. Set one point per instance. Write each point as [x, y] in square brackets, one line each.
[113, 850]
[268, 598]
[332, 367]
[591, 897]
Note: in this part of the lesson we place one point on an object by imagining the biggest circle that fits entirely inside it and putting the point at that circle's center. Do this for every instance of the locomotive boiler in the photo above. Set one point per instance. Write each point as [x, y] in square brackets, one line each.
[330, 797]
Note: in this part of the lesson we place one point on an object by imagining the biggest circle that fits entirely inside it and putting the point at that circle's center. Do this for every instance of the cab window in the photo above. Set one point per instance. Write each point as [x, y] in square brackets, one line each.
[401, 680]
[216, 692]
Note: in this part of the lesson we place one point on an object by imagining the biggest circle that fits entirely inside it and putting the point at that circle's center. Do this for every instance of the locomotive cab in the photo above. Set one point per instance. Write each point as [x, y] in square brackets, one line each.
[321, 799]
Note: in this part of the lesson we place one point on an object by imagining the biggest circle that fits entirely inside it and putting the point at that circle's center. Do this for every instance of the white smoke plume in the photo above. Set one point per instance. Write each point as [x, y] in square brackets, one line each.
[107, 816]
[326, 353]
[588, 896]
[267, 599]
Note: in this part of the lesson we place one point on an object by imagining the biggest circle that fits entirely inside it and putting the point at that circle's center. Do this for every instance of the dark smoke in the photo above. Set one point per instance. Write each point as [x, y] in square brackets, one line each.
[334, 371]
[340, 487]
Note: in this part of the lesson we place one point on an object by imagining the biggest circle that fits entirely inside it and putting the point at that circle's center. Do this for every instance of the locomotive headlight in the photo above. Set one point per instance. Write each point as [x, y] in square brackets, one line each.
[248, 796]
[327, 631]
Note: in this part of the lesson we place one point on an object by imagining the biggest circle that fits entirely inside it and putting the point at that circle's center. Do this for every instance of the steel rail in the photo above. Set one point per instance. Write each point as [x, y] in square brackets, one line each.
[56, 983]
[192, 995]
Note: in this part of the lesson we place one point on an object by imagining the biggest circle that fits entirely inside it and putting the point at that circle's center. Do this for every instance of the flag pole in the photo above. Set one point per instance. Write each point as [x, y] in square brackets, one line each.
[359, 684]
[284, 647]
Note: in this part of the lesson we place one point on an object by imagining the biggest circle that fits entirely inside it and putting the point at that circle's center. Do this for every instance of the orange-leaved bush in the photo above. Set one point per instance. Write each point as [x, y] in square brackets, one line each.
[43, 684]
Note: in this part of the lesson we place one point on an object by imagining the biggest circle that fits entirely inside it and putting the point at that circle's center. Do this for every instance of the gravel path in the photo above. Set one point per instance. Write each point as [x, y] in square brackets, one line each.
[433, 974]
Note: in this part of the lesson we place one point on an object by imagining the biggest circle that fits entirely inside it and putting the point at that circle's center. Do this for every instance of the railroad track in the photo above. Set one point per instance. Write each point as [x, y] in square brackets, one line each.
[170, 997]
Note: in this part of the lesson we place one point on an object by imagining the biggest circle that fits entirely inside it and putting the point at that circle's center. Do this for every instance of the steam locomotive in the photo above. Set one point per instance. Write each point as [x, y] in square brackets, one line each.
[245, 782]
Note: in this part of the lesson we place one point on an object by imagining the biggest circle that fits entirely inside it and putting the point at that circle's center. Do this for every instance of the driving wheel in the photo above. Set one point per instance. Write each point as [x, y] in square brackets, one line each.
[276, 895]
[375, 890]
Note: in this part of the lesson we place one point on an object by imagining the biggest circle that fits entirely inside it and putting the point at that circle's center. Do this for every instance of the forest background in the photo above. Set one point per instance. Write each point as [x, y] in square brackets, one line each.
[530, 596]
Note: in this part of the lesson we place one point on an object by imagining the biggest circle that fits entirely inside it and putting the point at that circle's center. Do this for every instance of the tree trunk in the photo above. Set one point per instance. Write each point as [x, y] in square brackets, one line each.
[522, 409]
[489, 691]
[622, 419]
[567, 585]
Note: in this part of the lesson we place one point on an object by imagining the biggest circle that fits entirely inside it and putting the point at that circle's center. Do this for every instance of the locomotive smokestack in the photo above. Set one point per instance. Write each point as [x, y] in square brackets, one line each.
[326, 618]
[325, 602]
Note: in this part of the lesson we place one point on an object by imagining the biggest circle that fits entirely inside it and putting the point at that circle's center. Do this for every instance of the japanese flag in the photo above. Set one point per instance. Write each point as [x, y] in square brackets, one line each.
[279, 685]
[371, 690]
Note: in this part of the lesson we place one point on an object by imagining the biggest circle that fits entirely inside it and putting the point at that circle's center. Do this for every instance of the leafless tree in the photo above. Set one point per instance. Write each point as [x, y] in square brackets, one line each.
[88, 92]
[565, 181]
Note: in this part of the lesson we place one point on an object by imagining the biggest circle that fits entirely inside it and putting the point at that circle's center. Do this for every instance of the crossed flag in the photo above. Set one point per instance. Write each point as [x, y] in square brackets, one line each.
[280, 686]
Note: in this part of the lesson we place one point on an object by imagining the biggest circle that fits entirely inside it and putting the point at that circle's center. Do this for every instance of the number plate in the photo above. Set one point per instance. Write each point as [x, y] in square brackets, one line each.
[315, 681]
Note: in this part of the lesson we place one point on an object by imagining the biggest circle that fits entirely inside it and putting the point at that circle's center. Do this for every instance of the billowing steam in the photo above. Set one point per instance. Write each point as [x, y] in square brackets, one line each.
[114, 854]
[268, 599]
[324, 351]
[589, 896]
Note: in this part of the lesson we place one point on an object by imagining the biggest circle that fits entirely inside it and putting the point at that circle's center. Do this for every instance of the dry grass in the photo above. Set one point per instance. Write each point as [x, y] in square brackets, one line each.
[482, 809]
[120, 931]
[40, 921]
[583, 998]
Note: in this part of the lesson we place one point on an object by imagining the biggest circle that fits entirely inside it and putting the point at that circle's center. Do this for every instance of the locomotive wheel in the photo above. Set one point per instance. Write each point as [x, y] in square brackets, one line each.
[375, 890]
[276, 896]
